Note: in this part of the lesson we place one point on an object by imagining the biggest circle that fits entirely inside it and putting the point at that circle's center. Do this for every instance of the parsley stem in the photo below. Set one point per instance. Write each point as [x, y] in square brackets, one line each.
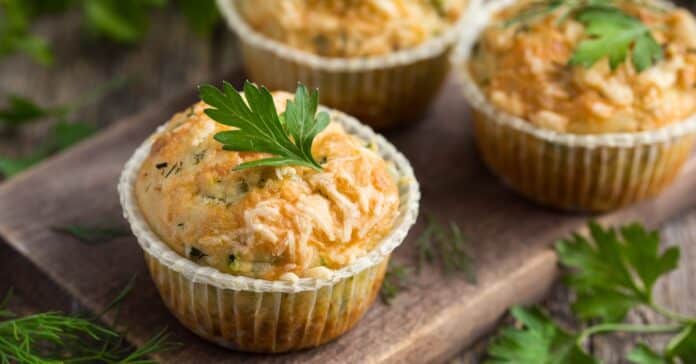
[664, 311]
[585, 334]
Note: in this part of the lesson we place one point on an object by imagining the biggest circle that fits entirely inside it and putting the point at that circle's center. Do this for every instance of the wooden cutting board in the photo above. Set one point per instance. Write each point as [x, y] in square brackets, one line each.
[437, 316]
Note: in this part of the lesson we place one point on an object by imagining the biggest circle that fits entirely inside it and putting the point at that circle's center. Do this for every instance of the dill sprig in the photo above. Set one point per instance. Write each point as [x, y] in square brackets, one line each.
[53, 337]
[395, 280]
[448, 246]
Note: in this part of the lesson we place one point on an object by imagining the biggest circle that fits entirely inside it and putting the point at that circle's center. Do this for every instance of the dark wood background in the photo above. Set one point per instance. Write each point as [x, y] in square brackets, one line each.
[170, 60]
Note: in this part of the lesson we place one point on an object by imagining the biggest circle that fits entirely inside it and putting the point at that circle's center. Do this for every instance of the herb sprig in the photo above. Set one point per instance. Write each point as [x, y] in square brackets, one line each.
[611, 32]
[53, 337]
[20, 111]
[122, 21]
[93, 234]
[610, 273]
[395, 280]
[259, 128]
[438, 245]
[447, 245]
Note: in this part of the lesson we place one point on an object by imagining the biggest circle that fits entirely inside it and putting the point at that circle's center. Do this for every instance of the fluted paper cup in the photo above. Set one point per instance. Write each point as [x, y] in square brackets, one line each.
[596, 172]
[382, 91]
[258, 315]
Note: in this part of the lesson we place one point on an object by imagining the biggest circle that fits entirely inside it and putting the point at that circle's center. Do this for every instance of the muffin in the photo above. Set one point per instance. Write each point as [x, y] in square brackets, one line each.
[381, 60]
[268, 258]
[570, 124]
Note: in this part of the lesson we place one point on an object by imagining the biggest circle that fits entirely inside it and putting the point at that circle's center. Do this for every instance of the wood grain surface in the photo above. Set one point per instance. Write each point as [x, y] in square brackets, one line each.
[48, 269]
[431, 321]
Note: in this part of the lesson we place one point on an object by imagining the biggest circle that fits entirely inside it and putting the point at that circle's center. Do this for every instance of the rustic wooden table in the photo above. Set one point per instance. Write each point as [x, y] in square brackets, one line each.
[169, 60]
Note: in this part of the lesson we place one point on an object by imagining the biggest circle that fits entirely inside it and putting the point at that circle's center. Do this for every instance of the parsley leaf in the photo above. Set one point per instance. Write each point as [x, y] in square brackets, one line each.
[259, 127]
[539, 341]
[614, 272]
[66, 134]
[683, 346]
[642, 354]
[11, 166]
[394, 281]
[15, 17]
[93, 234]
[121, 20]
[612, 33]
[21, 110]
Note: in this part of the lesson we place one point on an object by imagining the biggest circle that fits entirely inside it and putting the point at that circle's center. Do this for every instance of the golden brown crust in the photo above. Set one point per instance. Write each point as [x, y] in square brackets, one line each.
[358, 28]
[264, 222]
[523, 69]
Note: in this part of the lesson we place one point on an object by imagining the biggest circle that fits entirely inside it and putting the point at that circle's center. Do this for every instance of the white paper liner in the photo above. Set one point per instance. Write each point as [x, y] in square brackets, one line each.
[595, 172]
[477, 99]
[382, 91]
[408, 211]
[428, 49]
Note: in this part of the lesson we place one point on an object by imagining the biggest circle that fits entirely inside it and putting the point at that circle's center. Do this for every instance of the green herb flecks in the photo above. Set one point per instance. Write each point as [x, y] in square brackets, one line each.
[196, 254]
[609, 273]
[614, 34]
[447, 246]
[259, 127]
[395, 280]
[89, 234]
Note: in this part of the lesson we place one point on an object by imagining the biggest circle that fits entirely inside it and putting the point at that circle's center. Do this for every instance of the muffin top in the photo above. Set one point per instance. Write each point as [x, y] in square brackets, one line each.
[533, 63]
[351, 28]
[265, 222]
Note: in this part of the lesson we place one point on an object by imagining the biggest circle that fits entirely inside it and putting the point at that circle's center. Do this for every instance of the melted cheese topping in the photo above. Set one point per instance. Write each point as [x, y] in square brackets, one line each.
[523, 69]
[271, 223]
[355, 28]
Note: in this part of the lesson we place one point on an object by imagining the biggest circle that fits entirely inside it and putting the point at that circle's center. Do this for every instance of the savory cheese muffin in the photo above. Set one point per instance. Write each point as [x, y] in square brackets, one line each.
[265, 222]
[586, 106]
[522, 66]
[351, 28]
[381, 61]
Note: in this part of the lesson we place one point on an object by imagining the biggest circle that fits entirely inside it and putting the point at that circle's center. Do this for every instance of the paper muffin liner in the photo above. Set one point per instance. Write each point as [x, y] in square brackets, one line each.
[595, 172]
[382, 91]
[259, 315]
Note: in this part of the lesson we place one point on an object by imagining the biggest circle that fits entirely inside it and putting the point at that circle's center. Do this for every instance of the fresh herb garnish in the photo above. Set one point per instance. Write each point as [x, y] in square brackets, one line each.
[448, 246]
[615, 272]
[123, 21]
[610, 273]
[21, 110]
[259, 127]
[53, 337]
[196, 254]
[395, 280]
[65, 133]
[612, 32]
[93, 234]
